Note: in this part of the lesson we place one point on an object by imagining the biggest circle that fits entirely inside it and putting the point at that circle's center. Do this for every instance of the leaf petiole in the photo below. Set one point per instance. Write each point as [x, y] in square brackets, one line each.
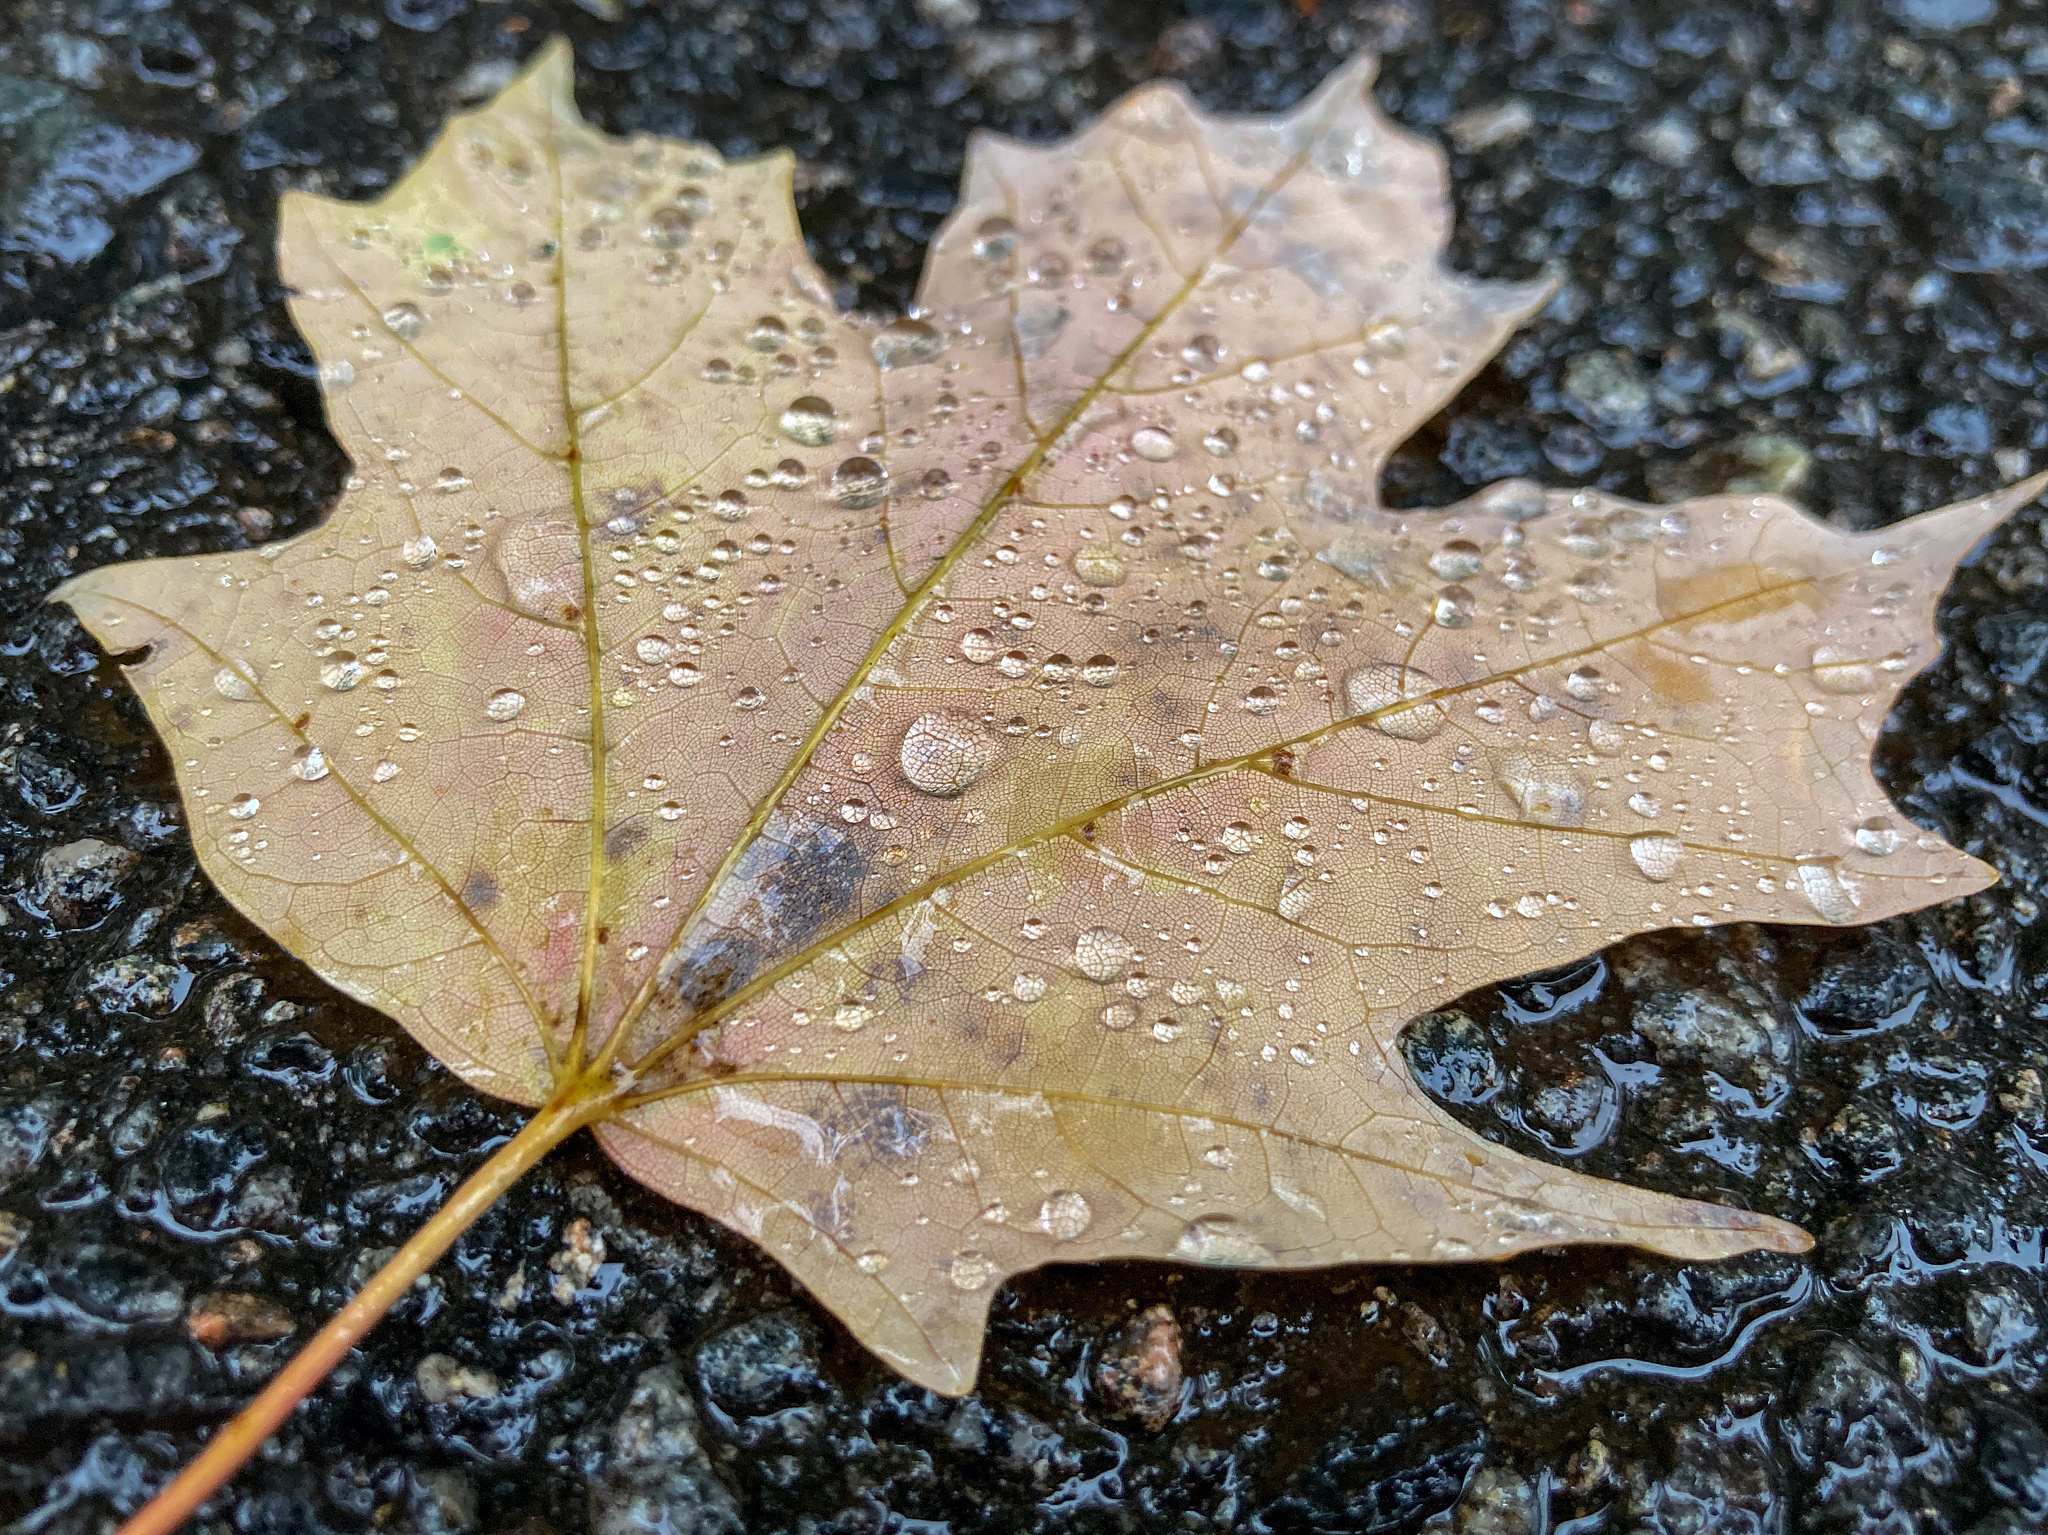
[582, 1102]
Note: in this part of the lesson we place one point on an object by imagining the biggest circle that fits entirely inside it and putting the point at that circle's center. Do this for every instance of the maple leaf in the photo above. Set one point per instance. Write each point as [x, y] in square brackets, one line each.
[987, 789]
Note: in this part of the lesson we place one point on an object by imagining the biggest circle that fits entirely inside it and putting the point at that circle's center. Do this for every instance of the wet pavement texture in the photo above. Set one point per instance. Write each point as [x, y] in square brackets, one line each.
[1802, 246]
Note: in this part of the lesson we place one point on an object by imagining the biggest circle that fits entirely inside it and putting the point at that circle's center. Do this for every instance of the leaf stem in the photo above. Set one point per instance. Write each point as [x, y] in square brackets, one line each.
[580, 1103]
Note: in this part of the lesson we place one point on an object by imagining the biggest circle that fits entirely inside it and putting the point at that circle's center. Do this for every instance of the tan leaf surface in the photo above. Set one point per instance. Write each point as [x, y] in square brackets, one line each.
[989, 789]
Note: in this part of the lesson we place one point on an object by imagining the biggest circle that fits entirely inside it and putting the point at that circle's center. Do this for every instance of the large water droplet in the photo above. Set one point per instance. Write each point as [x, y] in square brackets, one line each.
[859, 483]
[1839, 671]
[1261, 700]
[747, 700]
[419, 551]
[1455, 608]
[1656, 856]
[230, 683]
[811, 421]
[310, 764]
[979, 646]
[243, 806]
[1219, 1240]
[1585, 684]
[1099, 671]
[944, 753]
[1149, 442]
[995, 239]
[1064, 1215]
[1546, 790]
[1825, 893]
[1099, 565]
[405, 320]
[1102, 953]
[768, 334]
[504, 704]
[1458, 560]
[653, 649]
[1878, 836]
[1237, 837]
[1376, 688]
[970, 1270]
[341, 671]
[906, 344]
[1221, 441]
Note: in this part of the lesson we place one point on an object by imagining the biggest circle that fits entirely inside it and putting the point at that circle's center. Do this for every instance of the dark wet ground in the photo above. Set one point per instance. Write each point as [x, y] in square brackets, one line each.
[1805, 244]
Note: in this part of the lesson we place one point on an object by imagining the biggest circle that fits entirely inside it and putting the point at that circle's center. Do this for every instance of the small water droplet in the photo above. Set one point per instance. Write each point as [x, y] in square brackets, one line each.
[450, 480]
[747, 700]
[1099, 565]
[1295, 901]
[1102, 953]
[669, 810]
[667, 228]
[944, 753]
[504, 705]
[1375, 689]
[310, 764]
[1118, 1016]
[871, 1262]
[384, 771]
[1027, 986]
[242, 806]
[811, 421]
[1150, 443]
[1099, 671]
[859, 483]
[1656, 856]
[419, 551]
[853, 811]
[1237, 837]
[684, 674]
[970, 1270]
[1106, 257]
[1261, 700]
[852, 1016]
[230, 683]
[1878, 836]
[1648, 806]
[768, 334]
[979, 646]
[1064, 1215]
[1585, 684]
[1221, 441]
[995, 239]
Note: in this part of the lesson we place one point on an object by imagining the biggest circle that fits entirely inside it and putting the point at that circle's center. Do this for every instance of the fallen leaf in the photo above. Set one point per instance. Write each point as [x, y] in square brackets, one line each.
[986, 789]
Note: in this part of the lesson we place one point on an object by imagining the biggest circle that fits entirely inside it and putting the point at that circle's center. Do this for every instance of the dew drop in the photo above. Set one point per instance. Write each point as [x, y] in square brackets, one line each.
[768, 334]
[1150, 443]
[1838, 671]
[231, 684]
[1295, 901]
[1585, 684]
[811, 421]
[667, 228]
[1118, 1016]
[1878, 836]
[859, 483]
[995, 240]
[341, 672]
[504, 705]
[970, 1270]
[419, 551]
[731, 505]
[1825, 893]
[669, 810]
[1296, 828]
[310, 765]
[1106, 257]
[1656, 856]
[1099, 671]
[1237, 838]
[907, 344]
[1648, 806]
[384, 771]
[1064, 1215]
[405, 320]
[653, 649]
[853, 811]
[1261, 701]
[979, 646]
[684, 674]
[1222, 441]
[1456, 607]
[747, 700]
[944, 753]
[1099, 565]
[871, 1262]
[1458, 560]
[242, 806]
[1204, 352]
[1376, 688]
[450, 480]
[852, 1016]
[1027, 986]
[1545, 789]
[1102, 953]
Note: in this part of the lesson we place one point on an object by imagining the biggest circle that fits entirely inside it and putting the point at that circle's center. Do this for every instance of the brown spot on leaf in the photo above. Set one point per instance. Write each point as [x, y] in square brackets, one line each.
[625, 839]
[480, 890]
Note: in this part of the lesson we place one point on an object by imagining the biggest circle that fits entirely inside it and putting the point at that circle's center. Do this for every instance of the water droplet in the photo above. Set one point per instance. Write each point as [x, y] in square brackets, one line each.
[310, 764]
[1149, 442]
[1237, 837]
[1222, 441]
[1099, 671]
[1839, 671]
[1118, 1016]
[945, 753]
[1099, 565]
[1218, 1240]
[450, 480]
[419, 551]
[852, 1016]
[1458, 560]
[504, 705]
[667, 228]
[747, 700]
[653, 649]
[906, 344]
[1585, 684]
[230, 683]
[1261, 700]
[979, 646]
[1204, 352]
[1296, 828]
[1376, 688]
[337, 375]
[853, 811]
[811, 421]
[341, 672]
[684, 674]
[1878, 836]
[859, 483]
[1545, 789]
[1648, 806]
[669, 810]
[384, 771]
[1027, 986]
[1825, 893]
[1106, 257]
[768, 334]
[1456, 607]
[1656, 856]
[970, 1270]
[405, 320]
[1064, 1215]
[871, 1262]
[1102, 953]
[1295, 901]
[995, 240]
[242, 806]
